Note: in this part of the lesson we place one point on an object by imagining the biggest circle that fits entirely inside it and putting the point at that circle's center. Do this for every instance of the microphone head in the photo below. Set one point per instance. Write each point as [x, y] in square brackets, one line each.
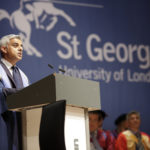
[50, 66]
[61, 70]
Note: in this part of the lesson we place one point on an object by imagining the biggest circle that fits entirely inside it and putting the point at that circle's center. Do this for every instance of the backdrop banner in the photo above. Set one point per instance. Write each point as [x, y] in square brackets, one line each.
[105, 41]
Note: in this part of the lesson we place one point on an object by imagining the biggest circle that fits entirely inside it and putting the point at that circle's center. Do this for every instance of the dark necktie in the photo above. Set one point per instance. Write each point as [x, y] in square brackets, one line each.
[17, 77]
[19, 85]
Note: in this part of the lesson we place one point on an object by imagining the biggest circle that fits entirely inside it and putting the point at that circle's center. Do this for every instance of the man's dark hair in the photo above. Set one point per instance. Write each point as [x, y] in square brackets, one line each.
[120, 119]
[101, 114]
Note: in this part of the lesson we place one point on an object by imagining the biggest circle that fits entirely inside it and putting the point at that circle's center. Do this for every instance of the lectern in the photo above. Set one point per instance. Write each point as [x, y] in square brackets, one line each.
[81, 95]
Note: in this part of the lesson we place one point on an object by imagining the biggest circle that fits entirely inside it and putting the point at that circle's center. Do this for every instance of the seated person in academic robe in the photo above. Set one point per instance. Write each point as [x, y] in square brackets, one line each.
[100, 139]
[121, 125]
[133, 138]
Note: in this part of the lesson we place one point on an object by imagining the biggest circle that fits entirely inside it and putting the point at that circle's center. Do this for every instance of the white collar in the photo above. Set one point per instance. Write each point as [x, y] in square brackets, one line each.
[8, 64]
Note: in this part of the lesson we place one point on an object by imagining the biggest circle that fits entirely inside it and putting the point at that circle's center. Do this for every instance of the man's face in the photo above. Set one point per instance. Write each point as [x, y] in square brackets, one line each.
[94, 123]
[134, 121]
[13, 51]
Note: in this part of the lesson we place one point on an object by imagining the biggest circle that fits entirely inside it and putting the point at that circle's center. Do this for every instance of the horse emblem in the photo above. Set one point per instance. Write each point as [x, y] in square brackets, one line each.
[38, 12]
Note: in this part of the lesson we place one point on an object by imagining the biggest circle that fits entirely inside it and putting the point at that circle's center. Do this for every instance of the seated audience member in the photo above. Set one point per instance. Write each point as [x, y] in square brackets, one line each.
[121, 125]
[99, 138]
[133, 138]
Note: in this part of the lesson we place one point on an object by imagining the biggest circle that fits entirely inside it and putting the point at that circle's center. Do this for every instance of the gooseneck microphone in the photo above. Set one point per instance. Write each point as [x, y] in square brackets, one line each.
[61, 70]
[50, 66]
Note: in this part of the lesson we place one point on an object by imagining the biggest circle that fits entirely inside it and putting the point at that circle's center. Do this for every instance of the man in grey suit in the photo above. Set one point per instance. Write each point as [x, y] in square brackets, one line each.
[12, 79]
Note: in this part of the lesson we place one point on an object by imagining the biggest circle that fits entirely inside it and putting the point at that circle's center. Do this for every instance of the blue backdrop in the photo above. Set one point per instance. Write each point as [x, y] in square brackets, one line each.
[105, 41]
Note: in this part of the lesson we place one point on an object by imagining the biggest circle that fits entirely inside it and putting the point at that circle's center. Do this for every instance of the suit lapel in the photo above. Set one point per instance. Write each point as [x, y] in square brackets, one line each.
[8, 74]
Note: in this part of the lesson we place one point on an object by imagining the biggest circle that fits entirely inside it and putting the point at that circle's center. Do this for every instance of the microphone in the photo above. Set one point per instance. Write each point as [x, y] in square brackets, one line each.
[50, 66]
[61, 70]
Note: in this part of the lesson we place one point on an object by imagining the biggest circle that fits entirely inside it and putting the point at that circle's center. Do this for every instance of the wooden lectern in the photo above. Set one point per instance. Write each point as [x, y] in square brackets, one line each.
[81, 95]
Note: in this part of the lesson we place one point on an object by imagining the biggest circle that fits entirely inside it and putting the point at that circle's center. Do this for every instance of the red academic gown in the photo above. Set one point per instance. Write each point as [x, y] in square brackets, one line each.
[105, 139]
[127, 141]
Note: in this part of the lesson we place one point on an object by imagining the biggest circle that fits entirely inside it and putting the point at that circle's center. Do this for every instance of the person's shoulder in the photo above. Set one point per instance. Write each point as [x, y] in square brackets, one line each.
[146, 138]
[125, 133]
[145, 134]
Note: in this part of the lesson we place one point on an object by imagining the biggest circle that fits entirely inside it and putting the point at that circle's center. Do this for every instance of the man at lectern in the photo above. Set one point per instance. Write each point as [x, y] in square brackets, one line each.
[12, 79]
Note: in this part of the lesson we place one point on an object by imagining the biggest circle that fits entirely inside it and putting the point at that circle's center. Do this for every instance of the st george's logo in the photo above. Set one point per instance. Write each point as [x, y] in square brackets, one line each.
[38, 12]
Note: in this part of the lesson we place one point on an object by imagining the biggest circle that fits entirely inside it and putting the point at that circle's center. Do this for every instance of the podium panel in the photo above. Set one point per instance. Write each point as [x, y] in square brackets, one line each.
[76, 129]
[30, 126]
